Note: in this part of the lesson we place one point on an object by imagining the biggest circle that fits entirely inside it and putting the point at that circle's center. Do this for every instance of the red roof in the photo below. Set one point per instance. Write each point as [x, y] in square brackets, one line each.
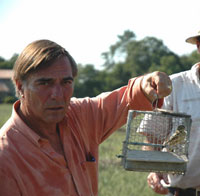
[6, 73]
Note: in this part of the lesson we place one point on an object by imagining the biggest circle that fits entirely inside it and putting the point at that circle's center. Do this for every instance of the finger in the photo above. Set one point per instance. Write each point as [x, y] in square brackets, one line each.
[163, 90]
[151, 94]
[163, 84]
[158, 188]
[154, 180]
[149, 88]
[165, 178]
[161, 190]
[156, 85]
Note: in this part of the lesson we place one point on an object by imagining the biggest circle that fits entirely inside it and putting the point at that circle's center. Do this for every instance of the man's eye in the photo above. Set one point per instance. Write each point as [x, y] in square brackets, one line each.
[44, 83]
[67, 81]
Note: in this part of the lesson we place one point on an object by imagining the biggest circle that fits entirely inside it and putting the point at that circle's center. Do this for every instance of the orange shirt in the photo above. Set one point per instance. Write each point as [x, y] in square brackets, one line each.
[29, 166]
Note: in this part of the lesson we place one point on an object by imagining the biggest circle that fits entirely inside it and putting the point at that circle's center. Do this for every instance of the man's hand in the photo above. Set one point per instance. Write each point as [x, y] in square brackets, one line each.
[156, 85]
[154, 181]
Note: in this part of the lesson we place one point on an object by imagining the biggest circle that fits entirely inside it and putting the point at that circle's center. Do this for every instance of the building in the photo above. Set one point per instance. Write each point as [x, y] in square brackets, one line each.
[6, 85]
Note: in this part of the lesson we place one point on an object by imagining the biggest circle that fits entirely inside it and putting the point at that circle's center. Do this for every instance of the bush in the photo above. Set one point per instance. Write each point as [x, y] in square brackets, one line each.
[9, 99]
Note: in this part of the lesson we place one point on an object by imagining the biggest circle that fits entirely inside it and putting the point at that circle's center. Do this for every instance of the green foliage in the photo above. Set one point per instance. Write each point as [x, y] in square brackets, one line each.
[1, 59]
[118, 49]
[169, 64]
[118, 77]
[140, 57]
[88, 82]
[8, 64]
[190, 59]
[9, 99]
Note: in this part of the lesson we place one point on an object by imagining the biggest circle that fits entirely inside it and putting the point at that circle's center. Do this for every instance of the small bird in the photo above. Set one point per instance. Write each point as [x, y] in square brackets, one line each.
[177, 137]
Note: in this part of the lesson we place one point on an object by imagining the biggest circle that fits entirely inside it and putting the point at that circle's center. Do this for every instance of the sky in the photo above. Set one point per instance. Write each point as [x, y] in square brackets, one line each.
[87, 28]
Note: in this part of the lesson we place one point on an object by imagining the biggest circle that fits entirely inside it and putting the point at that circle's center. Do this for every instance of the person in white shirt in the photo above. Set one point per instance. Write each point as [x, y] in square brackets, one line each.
[185, 98]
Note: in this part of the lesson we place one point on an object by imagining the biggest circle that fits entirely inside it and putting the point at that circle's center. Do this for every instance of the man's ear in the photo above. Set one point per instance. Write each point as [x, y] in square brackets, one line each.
[19, 86]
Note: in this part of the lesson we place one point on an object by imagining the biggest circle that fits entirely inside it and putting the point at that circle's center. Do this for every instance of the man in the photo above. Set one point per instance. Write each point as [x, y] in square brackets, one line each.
[49, 146]
[185, 98]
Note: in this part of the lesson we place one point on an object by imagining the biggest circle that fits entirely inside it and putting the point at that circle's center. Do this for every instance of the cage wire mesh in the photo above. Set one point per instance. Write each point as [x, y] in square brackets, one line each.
[156, 141]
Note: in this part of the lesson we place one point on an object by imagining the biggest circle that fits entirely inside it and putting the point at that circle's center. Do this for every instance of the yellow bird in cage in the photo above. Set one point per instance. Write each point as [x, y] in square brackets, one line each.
[177, 137]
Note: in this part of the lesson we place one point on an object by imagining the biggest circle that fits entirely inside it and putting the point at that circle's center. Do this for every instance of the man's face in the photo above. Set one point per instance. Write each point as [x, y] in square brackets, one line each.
[47, 93]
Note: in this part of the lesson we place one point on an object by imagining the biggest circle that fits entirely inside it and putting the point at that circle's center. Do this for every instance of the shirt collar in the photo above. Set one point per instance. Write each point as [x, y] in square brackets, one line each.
[22, 127]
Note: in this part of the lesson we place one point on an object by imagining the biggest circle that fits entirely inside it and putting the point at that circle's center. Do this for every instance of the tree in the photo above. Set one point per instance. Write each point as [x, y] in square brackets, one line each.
[118, 51]
[189, 60]
[88, 82]
[1, 59]
[146, 56]
[8, 64]
[125, 59]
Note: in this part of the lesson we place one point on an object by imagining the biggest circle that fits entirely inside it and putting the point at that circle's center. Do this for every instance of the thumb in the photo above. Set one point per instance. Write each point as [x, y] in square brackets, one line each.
[149, 89]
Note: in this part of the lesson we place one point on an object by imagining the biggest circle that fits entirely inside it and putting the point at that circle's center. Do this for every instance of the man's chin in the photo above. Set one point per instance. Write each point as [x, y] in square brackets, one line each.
[55, 119]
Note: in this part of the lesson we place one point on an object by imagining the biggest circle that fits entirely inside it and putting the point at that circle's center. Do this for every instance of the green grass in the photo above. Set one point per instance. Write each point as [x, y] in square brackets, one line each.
[114, 180]
[5, 112]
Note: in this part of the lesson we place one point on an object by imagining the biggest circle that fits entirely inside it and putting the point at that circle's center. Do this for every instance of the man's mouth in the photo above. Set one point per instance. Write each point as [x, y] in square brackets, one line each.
[56, 108]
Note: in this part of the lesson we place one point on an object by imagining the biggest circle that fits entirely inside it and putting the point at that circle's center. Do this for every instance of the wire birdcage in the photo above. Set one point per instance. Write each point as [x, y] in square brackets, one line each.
[156, 141]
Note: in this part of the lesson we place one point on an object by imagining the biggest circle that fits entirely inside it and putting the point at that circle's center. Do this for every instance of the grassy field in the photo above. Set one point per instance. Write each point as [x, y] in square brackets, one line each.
[113, 179]
[5, 112]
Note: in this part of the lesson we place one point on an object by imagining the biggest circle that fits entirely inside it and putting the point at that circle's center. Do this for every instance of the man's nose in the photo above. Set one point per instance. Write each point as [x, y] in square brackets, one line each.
[57, 92]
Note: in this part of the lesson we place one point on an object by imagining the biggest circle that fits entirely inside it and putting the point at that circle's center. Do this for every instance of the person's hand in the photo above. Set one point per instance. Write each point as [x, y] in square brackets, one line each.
[156, 85]
[154, 181]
